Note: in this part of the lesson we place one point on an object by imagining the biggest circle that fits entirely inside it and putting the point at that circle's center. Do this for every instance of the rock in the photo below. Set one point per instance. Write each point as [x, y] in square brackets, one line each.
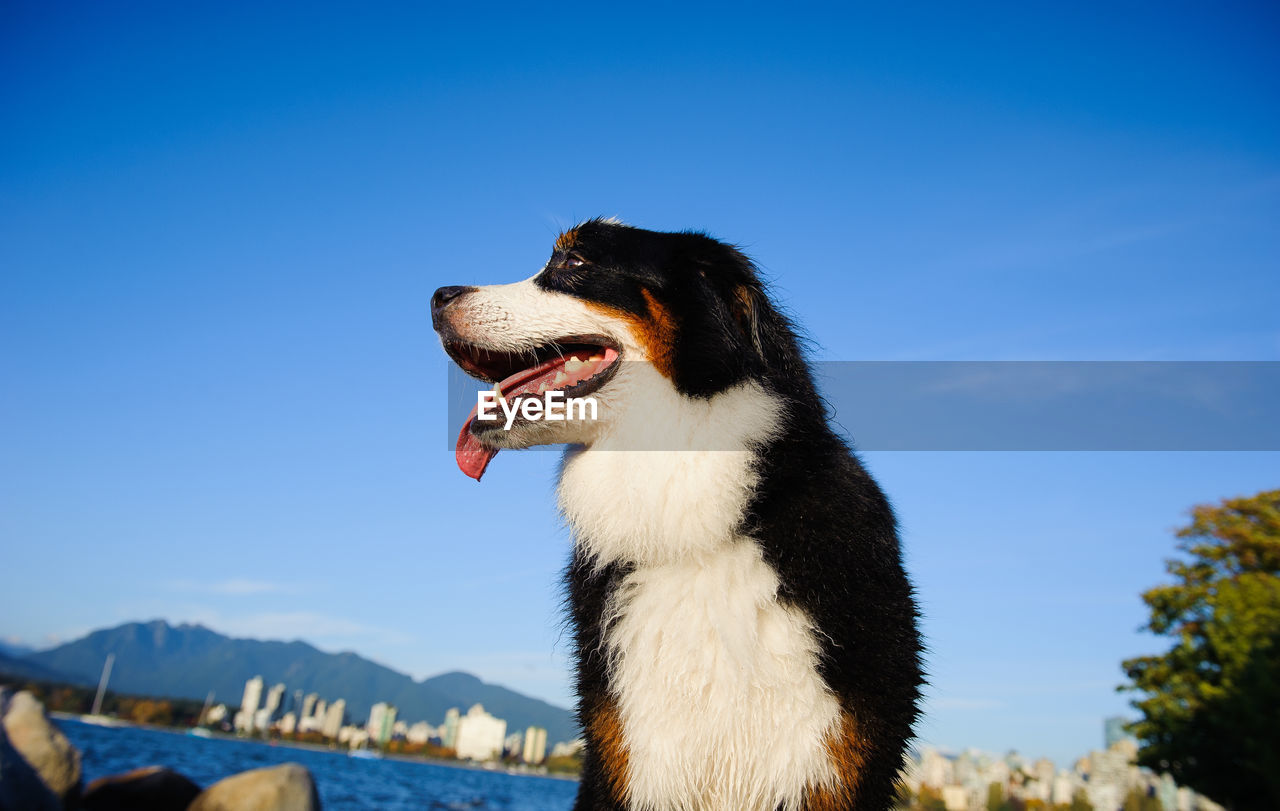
[154, 788]
[287, 787]
[42, 745]
[21, 788]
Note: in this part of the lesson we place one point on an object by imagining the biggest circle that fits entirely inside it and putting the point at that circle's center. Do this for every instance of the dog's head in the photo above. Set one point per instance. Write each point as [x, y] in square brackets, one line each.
[615, 310]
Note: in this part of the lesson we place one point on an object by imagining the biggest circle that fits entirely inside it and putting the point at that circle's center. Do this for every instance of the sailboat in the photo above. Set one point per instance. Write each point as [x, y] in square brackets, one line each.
[96, 716]
[199, 729]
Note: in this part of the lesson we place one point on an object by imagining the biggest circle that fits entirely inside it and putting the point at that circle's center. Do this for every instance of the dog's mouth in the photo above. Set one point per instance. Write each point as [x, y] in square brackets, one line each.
[573, 367]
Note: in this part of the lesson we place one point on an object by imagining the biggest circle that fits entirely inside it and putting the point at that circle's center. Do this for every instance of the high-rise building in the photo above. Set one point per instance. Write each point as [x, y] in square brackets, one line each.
[249, 704]
[275, 697]
[308, 706]
[480, 735]
[333, 718]
[1113, 729]
[252, 695]
[450, 736]
[535, 745]
[382, 720]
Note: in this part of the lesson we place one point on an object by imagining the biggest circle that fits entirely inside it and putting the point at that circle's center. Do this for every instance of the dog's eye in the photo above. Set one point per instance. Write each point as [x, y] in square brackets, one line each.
[572, 261]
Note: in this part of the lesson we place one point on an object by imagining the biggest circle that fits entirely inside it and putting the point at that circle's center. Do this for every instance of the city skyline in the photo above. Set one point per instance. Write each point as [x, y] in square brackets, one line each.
[475, 736]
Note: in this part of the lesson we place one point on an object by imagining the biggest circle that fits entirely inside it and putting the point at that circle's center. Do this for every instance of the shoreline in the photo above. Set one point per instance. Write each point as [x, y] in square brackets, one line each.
[314, 747]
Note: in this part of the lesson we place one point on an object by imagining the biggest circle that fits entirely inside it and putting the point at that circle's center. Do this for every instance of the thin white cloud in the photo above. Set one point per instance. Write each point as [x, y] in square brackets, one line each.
[235, 586]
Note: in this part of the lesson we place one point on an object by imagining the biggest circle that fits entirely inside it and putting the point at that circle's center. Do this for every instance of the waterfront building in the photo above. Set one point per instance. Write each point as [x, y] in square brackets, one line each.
[275, 697]
[450, 728]
[535, 745]
[513, 744]
[480, 735]
[382, 719]
[567, 748]
[309, 706]
[249, 704]
[333, 718]
[1064, 788]
[355, 737]
[314, 722]
[419, 733]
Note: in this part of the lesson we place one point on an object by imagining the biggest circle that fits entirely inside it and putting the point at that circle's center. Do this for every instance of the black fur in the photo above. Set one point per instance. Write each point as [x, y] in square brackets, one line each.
[822, 522]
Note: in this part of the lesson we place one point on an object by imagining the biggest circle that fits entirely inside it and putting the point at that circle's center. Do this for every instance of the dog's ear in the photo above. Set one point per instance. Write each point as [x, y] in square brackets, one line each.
[746, 305]
[722, 338]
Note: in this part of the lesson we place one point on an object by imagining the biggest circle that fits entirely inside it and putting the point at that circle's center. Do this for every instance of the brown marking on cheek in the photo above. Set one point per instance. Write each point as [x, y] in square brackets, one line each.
[605, 728]
[846, 751]
[655, 331]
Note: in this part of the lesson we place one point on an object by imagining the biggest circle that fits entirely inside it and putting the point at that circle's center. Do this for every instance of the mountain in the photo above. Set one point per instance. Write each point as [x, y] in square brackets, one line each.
[18, 668]
[187, 661]
[15, 650]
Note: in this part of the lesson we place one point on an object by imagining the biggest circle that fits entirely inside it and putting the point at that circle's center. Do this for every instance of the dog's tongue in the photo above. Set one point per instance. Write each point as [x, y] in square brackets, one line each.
[472, 457]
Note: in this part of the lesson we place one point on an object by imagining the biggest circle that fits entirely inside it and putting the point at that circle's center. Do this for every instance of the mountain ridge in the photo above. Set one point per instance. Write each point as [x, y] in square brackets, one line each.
[188, 660]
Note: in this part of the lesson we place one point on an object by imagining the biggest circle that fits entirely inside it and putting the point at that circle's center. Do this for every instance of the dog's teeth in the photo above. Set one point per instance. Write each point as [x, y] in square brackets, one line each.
[542, 387]
[559, 378]
[497, 389]
[572, 364]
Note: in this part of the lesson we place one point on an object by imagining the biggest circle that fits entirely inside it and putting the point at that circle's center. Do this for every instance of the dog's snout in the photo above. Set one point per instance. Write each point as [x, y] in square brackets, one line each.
[440, 301]
[445, 295]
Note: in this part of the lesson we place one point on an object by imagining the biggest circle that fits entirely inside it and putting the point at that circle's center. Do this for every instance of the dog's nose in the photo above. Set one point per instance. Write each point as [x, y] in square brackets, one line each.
[445, 295]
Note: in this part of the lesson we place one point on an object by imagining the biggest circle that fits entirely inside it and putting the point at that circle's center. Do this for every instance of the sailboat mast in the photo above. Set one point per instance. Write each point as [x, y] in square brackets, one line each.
[208, 701]
[102, 684]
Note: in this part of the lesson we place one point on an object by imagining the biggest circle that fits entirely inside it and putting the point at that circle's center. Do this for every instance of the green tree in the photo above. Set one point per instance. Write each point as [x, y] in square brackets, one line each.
[1211, 709]
[1139, 800]
[995, 797]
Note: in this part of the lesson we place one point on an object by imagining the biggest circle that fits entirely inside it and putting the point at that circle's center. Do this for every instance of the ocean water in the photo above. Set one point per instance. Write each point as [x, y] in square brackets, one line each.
[345, 783]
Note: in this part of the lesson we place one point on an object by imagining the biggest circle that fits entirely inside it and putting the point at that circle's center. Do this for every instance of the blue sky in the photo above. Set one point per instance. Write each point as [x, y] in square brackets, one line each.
[220, 227]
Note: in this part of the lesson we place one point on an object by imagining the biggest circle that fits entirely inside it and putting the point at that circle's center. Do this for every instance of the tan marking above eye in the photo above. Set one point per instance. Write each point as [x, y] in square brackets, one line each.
[566, 240]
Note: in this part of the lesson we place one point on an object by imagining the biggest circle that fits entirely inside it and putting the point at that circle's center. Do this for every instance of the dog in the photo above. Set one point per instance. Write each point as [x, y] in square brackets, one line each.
[745, 633]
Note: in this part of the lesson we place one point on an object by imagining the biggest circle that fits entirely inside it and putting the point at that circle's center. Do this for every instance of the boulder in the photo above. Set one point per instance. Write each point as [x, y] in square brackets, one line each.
[154, 788]
[42, 745]
[21, 789]
[287, 787]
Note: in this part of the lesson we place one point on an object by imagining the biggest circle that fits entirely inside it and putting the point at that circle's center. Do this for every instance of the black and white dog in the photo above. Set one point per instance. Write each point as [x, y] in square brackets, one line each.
[745, 633]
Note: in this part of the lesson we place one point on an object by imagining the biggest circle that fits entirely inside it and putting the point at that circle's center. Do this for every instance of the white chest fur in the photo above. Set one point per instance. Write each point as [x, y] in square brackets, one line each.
[716, 682]
[720, 701]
